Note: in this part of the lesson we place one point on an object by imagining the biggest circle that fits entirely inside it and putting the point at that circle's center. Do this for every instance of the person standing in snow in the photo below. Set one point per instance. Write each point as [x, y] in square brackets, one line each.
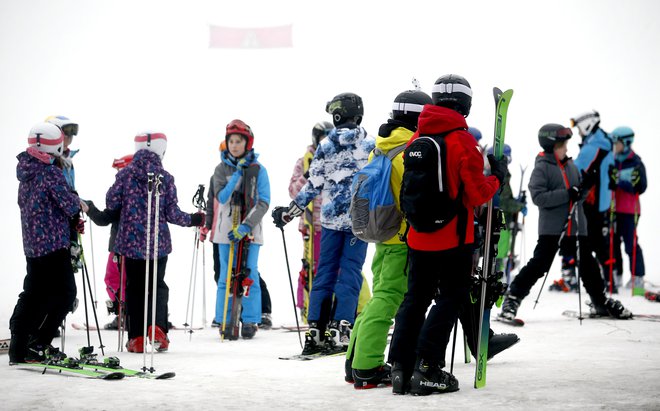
[440, 262]
[627, 181]
[556, 189]
[338, 157]
[128, 196]
[48, 209]
[229, 183]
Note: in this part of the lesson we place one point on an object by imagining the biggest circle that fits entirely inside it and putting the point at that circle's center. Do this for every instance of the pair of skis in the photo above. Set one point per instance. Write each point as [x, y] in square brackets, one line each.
[502, 100]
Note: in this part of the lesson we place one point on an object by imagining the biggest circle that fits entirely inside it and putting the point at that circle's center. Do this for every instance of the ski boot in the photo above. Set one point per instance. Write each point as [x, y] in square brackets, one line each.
[348, 371]
[500, 342]
[610, 308]
[338, 336]
[161, 342]
[559, 285]
[44, 353]
[135, 345]
[112, 325]
[313, 344]
[248, 330]
[430, 379]
[509, 308]
[375, 377]
[266, 321]
[400, 379]
[215, 324]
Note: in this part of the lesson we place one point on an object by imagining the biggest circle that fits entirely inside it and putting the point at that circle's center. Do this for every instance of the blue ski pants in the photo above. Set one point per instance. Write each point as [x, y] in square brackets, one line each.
[251, 303]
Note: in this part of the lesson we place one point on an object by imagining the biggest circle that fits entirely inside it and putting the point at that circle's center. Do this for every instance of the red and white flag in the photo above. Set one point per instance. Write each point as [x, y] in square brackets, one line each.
[250, 38]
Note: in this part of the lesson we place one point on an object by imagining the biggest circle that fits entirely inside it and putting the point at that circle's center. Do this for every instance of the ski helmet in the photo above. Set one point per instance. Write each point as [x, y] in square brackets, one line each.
[122, 162]
[407, 106]
[506, 152]
[345, 107]
[68, 126]
[550, 134]
[319, 131]
[625, 135]
[152, 141]
[586, 123]
[475, 133]
[47, 138]
[239, 127]
[454, 92]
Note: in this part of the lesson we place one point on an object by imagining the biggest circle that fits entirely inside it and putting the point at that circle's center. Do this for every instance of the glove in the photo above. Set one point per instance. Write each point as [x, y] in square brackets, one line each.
[573, 193]
[80, 226]
[238, 233]
[197, 219]
[203, 232]
[524, 211]
[498, 168]
[282, 215]
[589, 178]
[86, 205]
[242, 164]
[613, 175]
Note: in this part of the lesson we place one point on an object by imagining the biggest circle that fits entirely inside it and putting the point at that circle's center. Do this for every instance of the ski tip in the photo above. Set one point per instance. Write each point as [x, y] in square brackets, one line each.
[166, 376]
[113, 376]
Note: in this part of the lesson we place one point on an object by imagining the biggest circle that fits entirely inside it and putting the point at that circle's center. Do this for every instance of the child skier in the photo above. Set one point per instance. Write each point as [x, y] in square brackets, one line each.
[128, 196]
[338, 157]
[555, 189]
[628, 181]
[113, 266]
[233, 178]
[48, 207]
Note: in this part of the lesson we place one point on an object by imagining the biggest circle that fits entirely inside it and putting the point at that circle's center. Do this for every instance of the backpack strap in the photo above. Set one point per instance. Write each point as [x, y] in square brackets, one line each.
[392, 153]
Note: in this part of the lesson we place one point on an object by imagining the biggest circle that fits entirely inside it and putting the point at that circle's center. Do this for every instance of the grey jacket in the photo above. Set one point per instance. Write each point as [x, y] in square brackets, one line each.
[549, 190]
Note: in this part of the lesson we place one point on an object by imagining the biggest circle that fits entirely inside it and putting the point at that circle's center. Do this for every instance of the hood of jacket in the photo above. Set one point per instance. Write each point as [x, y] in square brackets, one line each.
[144, 161]
[436, 120]
[347, 136]
[29, 164]
[395, 137]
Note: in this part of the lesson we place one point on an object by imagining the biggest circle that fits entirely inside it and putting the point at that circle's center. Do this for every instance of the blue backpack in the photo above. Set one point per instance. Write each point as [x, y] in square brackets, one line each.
[374, 215]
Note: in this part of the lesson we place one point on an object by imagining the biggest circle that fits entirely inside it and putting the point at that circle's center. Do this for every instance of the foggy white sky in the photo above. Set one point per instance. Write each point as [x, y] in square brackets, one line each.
[124, 66]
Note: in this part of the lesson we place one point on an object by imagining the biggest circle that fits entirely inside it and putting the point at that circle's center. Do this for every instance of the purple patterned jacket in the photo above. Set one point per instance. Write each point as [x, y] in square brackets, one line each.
[46, 204]
[129, 194]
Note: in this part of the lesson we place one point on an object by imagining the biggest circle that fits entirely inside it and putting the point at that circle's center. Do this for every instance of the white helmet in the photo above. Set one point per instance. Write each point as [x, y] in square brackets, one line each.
[152, 141]
[47, 138]
[586, 122]
[68, 126]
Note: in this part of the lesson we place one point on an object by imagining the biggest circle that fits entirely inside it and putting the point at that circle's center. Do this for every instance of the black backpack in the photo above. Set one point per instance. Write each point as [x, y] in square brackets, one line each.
[425, 199]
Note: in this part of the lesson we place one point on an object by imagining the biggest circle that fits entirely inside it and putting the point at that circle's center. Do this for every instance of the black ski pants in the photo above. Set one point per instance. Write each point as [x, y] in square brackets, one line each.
[49, 289]
[440, 275]
[135, 295]
[540, 263]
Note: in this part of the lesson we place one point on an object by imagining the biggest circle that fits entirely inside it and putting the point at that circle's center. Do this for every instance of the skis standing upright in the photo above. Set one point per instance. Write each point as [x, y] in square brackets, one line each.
[502, 100]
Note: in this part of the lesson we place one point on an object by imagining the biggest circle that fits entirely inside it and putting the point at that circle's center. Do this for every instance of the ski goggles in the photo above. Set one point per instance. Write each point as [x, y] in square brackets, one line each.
[561, 134]
[70, 130]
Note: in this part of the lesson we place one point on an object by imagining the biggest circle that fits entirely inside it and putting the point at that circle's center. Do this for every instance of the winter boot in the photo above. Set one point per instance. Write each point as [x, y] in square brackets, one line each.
[610, 308]
[215, 324]
[348, 371]
[338, 335]
[430, 379]
[161, 343]
[313, 343]
[400, 379]
[266, 321]
[500, 342]
[375, 377]
[135, 345]
[248, 330]
[17, 348]
[509, 307]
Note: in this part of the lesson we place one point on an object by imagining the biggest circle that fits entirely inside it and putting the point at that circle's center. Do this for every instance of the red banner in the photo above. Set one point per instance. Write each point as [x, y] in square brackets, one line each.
[250, 38]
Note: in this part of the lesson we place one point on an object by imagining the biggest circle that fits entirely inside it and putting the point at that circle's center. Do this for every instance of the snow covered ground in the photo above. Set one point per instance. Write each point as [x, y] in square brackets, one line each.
[559, 364]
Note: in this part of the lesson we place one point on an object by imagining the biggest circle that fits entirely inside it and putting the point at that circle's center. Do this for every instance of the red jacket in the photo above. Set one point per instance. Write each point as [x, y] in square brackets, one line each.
[465, 164]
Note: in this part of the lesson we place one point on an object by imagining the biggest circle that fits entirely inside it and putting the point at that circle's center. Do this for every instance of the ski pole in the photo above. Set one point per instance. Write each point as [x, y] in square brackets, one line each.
[634, 255]
[564, 230]
[150, 183]
[453, 347]
[293, 298]
[186, 324]
[577, 264]
[120, 321]
[91, 246]
[154, 272]
[96, 319]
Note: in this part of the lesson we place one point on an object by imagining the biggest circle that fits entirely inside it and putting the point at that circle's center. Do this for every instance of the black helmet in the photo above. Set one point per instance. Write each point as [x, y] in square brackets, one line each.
[454, 92]
[319, 131]
[345, 107]
[550, 134]
[408, 105]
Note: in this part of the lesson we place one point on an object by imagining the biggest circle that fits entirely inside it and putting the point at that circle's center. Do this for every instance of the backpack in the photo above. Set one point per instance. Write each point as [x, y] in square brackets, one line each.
[425, 200]
[374, 215]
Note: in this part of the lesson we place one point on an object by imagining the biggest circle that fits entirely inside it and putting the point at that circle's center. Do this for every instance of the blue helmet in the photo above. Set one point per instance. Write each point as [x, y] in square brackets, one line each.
[475, 132]
[625, 135]
[506, 152]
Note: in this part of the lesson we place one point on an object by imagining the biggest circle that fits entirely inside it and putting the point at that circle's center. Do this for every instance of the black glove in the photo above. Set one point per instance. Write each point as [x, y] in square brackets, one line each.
[498, 168]
[589, 178]
[573, 193]
[613, 174]
[197, 219]
[284, 215]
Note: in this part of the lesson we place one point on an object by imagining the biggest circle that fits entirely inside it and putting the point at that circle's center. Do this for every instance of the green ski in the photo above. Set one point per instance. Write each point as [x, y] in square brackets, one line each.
[72, 367]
